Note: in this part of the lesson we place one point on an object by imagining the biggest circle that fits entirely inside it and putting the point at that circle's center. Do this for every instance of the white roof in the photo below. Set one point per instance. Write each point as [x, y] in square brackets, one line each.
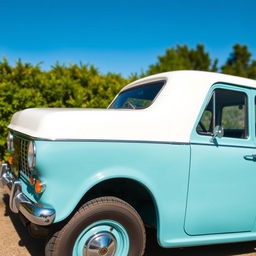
[169, 119]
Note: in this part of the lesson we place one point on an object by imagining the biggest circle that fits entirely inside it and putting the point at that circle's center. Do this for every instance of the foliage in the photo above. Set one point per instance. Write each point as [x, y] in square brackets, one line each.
[181, 57]
[240, 63]
[27, 86]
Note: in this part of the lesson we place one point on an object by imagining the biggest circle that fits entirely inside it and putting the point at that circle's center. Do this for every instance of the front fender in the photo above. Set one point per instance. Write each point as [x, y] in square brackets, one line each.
[68, 181]
[70, 169]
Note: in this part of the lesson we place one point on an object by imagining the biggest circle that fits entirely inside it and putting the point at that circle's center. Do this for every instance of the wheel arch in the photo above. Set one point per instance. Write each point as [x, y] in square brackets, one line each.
[132, 191]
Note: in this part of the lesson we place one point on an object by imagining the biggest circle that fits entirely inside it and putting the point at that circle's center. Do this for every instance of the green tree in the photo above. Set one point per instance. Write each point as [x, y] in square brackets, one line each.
[240, 63]
[26, 86]
[181, 57]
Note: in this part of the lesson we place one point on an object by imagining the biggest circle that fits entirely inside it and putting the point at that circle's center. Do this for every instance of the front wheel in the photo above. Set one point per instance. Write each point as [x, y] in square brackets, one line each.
[105, 226]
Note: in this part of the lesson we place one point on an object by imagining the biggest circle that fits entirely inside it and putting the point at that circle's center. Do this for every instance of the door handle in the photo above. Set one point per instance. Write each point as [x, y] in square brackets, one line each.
[250, 157]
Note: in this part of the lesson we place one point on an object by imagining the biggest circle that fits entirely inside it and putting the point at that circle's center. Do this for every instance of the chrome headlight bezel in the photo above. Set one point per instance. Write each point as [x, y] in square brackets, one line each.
[10, 143]
[31, 155]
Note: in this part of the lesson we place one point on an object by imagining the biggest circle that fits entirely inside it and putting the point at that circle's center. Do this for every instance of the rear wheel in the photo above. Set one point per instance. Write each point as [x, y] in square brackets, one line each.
[105, 226]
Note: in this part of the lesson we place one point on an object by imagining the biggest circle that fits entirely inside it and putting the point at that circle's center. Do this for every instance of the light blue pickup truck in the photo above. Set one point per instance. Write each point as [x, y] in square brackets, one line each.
[176, 151]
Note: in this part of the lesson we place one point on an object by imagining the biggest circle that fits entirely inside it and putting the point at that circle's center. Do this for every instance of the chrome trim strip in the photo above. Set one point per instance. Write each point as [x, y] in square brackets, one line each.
[116, 141]
[221, 145]
[133, 141]
[19, 202]
[28, 137]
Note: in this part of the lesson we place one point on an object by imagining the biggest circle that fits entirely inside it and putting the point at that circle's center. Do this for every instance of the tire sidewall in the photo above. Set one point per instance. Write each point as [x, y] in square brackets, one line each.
[112, 212]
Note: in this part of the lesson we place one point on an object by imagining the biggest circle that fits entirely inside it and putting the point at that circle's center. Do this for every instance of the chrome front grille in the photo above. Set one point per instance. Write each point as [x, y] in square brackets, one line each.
[23, 165]
[20, 157]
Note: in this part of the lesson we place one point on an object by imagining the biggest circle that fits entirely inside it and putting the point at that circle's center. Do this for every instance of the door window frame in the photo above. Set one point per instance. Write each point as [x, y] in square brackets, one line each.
[227, 141]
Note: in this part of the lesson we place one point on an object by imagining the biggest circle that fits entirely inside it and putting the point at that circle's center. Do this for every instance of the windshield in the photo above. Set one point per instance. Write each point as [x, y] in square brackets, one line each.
[138, 97]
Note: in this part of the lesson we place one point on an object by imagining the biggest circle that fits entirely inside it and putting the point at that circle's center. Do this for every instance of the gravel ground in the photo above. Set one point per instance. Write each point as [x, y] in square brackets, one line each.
[15, 241]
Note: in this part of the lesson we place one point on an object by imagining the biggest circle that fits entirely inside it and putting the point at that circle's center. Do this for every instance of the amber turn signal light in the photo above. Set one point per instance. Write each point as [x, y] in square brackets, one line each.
[39, 186]
[32, 180]
[10, 160]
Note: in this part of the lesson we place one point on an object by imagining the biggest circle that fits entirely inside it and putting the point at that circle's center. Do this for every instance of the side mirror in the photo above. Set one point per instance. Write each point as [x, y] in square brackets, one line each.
[218, 132]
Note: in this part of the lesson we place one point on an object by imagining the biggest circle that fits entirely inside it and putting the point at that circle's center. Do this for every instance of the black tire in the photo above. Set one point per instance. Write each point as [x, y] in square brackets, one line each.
[103, 208]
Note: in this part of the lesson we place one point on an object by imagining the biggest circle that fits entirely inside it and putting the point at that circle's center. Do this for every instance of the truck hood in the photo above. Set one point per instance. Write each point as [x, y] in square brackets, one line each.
[89, 124]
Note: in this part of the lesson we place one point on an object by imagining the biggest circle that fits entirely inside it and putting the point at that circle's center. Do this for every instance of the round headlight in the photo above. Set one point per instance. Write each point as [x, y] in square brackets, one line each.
[31, 155]
[10, 145]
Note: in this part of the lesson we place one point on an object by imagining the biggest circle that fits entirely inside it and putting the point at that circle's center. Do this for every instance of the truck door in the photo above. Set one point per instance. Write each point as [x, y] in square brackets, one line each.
[222, 185]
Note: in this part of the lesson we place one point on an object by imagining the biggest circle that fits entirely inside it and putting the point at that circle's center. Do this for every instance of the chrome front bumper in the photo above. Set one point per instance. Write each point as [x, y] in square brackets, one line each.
[19, 202]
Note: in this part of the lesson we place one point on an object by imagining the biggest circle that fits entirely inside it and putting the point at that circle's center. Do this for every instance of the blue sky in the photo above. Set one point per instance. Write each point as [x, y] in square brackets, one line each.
[121, 36]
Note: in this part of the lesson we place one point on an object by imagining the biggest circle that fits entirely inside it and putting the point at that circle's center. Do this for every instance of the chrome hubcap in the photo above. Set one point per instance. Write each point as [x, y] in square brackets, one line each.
[100, 244]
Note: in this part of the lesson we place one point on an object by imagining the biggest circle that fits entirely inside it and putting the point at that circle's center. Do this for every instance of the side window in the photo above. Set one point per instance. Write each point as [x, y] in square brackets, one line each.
[207, 120]
[138, 97]
[205, 126]
[228, 109]
[255, 114]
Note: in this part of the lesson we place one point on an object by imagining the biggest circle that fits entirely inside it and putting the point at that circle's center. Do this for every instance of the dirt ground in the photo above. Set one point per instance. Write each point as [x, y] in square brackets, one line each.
[15, 241]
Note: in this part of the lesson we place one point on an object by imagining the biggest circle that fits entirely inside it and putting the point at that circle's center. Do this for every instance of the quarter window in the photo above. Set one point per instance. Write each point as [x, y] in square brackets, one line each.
[138, 97]
[228, 109]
